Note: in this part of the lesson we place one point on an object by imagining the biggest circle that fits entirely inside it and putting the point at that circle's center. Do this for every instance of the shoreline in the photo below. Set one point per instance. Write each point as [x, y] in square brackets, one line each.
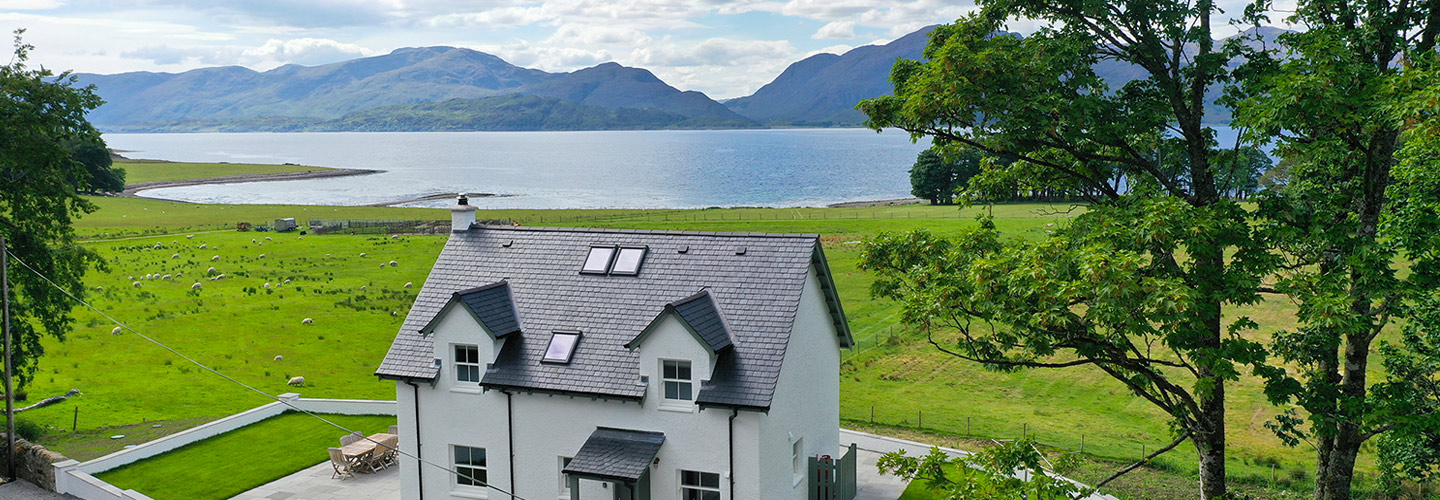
[133, 190]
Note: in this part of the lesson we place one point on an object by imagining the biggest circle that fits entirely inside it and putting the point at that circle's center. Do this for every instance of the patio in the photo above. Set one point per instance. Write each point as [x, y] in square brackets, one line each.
[315, 483]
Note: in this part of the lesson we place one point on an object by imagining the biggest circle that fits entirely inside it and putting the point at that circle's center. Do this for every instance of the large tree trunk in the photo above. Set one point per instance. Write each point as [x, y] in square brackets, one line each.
[1210, 445]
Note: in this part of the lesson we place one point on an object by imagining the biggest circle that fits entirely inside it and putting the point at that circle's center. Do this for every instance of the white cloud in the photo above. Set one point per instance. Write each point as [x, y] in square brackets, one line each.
[590, 35]
[836, 30]
[503, 16]
[306, 51]
[31, 4]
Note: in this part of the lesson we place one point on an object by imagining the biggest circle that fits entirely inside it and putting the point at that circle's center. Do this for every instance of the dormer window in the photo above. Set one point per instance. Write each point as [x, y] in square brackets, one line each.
[613, 260]
[561, 348]
[467, 363]
[676, 382]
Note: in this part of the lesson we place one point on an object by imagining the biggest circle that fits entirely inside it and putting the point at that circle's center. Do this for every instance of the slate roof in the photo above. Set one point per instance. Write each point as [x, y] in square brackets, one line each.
[493, 306]
[758, 289]
[616, 454]
[701, 314]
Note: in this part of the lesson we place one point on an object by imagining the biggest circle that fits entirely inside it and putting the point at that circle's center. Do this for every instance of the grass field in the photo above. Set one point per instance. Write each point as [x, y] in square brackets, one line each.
[138, 171]
[240, 460]
[357, 303]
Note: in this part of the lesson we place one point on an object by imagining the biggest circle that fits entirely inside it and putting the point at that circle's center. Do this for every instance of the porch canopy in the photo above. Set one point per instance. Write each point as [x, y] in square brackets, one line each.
[617, 455]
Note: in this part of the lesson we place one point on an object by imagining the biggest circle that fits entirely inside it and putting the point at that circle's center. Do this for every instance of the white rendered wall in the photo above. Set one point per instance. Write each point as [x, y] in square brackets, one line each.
[807, 397]
[806, 405]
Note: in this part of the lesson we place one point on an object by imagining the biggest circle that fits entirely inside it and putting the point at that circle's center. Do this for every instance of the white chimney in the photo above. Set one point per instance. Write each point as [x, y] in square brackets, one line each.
[462, 215]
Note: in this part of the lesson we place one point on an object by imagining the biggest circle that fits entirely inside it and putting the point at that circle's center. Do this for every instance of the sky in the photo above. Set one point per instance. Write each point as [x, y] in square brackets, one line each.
[722, 48]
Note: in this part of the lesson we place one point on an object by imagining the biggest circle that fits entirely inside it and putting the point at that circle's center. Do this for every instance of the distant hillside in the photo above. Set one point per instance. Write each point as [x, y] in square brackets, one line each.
[295, 97]
[822, 90]
[519, 112]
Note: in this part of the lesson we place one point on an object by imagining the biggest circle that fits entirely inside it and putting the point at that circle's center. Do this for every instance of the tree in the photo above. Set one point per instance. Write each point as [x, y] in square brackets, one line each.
[1009, 470]
[39, 186]
[1240, 170]
[101, 176]
[1133, 287]
[1330, 96]
[937, 178]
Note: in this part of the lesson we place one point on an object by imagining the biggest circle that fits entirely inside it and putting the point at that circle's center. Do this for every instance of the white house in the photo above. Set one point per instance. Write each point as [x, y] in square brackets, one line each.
[618, 364]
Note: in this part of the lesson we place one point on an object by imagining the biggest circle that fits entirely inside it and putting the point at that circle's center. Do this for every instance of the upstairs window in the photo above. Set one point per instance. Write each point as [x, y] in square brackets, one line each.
[614, 260]
[628, 262]
[469, 466]
[467, 363]
[675, 377]
[598, 262]
[562, 347]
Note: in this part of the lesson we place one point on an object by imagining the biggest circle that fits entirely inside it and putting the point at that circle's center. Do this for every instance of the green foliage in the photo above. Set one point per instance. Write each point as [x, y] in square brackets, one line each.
[40, 182]
[1134, 287]
[937, 178]
[28, 430]
[100, 174]
[1334, 99]
[1009, 470]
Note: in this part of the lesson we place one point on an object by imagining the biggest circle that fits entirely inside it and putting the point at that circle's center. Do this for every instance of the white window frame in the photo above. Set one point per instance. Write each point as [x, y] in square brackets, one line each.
[797, 459]
[680, 481]
[470, 491]
[456, 364]
[677, 403]
[564, 478]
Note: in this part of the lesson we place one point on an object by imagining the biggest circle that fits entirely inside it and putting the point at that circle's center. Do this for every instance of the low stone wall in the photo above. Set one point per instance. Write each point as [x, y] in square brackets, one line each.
[34, 464]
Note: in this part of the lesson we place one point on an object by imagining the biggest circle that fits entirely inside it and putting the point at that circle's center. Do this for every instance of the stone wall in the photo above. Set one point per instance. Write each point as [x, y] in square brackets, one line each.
[33, 464]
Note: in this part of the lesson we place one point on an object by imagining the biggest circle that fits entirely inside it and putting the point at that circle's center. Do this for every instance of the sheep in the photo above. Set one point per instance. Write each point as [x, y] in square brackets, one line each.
[362, 255]
[253, 240]
[279, 357]
[203, 246]
[307, 321]
[219, 276]
[178, 275]
[165, 277]
[116, 331]
[147, 276]
[382, 266]
[196, 286]
[267, 285]
[393, 263]
[131, 278]
[215, 258]
[210, 271]
[363, 287]
[287, 281]
[159, 246]
[297, 381]
[262, 256]
[267, 238]
[173, 242]
[327, 255]
[189, 236]
[393, 236]
[136, 284]
[409, 284]
[175, 256]
[100, 288]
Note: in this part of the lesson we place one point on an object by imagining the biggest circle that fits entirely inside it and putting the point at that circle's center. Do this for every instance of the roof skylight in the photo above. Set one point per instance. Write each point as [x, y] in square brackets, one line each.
[628, 262]
[562, 347]
[598, 262]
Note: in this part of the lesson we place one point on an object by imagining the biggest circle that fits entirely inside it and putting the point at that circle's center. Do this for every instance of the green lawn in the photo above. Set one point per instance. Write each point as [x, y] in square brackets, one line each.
[231, 463]
[239, 326]
[138, 171]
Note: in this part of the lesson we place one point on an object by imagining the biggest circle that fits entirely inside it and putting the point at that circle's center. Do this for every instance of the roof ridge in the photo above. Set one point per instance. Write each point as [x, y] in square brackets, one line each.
[666, 232]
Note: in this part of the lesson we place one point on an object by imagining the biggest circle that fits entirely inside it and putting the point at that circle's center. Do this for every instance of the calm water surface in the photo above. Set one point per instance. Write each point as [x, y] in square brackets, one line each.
[620, 169]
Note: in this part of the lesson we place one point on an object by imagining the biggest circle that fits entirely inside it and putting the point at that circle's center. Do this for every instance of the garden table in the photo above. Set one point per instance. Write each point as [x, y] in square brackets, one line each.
[358, 453]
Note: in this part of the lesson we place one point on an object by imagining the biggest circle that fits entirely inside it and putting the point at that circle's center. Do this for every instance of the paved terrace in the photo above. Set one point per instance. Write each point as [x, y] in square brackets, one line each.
[315, 483]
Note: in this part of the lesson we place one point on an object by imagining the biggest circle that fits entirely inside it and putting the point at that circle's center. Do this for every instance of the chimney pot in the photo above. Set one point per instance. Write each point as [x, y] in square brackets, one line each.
[462, 215]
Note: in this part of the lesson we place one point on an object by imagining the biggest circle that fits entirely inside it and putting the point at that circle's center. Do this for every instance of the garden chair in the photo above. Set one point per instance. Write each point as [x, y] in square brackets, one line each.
[342, 467]
[395, 429]
[384, 454]
[350, 438]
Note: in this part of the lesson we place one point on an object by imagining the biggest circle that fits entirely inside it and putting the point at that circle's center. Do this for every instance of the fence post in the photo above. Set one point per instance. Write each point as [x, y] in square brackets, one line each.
[872, 414]
[967, 426]
[920, 420]
[1082, 443]
[1024, 430]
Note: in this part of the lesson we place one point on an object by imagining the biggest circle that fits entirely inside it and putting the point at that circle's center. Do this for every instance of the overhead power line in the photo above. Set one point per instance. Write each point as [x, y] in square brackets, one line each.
[239, 383]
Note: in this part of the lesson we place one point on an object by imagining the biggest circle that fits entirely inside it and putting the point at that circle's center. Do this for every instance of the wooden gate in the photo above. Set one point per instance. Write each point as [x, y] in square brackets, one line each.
[832, 479]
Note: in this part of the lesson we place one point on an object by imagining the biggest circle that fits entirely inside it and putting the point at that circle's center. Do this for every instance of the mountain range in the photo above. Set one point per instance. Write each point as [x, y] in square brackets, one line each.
[448, 88]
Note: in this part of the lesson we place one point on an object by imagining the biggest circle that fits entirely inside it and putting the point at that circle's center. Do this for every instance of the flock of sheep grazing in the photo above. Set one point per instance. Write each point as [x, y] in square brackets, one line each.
[212, 273]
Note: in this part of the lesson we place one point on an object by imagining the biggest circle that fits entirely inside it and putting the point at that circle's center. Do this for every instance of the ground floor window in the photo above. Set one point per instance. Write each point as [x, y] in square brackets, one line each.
[699, 485]
[469, 466]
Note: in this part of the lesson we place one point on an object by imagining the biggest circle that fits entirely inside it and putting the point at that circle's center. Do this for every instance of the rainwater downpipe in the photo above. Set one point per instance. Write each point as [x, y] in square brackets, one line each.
[734, 412]
[510, 431]
[419, 467]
